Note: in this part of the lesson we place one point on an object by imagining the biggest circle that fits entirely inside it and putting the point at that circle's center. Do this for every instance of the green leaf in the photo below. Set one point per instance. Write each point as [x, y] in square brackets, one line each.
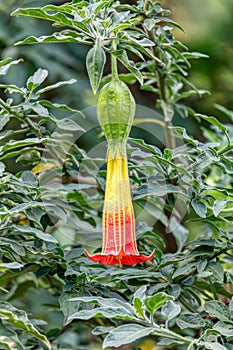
[10, 265]
[194, 55]
[59, 106]
[199, 207]
[2, 168]
[69, 124]
[219, 206]
[68, 307]
[21, 143]
[4, 65]
[151, 148]
[55, 86]
[184, 269]
[41, 13]
[141, 293]
[37, 233]
[13, 89]
[109, 308]
[126, 334]
[101, 330]
[170, 310]
[103, 312]
[4, 119]
[168, 20]
[226, 111]
[149, 23]
[138, 305]
[214, 346]
[218, 310]
[9, 339]
[169, 342]
[156, 301]
[189, 320]
[214, 121]
[95, 62]
[37, 79]
[181, 131]
[59, 37]
[201, 285]
[223, 329]
[180, 232]
[18, 318]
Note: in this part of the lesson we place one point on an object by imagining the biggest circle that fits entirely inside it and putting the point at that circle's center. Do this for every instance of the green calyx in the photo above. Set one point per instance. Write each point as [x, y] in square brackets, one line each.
[115, 109]
[117, 147]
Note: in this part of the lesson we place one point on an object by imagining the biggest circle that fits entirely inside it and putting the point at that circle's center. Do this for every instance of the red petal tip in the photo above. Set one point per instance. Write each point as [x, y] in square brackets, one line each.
[121, 258]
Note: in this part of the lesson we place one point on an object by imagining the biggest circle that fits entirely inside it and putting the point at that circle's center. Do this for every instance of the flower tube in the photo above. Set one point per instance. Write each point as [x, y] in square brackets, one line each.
[119, 240]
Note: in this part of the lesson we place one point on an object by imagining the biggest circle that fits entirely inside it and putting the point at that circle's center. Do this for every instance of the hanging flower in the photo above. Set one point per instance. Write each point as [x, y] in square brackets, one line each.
[116, 109]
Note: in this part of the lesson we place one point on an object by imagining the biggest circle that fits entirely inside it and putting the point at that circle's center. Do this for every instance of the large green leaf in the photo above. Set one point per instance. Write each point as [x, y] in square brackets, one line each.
[43, 13]
[18, 318]
[109, 308]
[37, 233]
[21, 143]
[219, 310]
[54, 38]
[216, 122]
[9, 339]
[103, 312]
[55, 86]
[190, 320]
[95, 62]
[126, 334]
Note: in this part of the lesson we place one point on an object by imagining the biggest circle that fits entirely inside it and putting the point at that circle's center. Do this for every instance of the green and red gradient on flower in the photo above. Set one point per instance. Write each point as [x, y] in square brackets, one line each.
[116, 108]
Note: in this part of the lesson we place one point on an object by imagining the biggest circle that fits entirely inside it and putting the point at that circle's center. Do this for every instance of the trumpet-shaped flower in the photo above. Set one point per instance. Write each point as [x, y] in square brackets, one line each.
[119, 240]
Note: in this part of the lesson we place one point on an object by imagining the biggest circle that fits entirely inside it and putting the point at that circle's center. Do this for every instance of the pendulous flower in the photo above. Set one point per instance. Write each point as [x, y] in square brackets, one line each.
[119, 239]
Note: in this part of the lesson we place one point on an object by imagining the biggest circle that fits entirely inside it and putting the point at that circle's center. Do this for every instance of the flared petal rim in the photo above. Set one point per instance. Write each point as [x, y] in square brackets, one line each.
[121, 259]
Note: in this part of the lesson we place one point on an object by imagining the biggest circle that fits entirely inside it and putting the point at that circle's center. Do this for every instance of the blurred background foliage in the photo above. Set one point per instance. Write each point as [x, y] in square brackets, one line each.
[209, 30]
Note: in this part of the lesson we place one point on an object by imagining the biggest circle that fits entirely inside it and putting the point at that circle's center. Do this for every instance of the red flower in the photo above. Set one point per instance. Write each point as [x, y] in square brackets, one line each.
[119, 239]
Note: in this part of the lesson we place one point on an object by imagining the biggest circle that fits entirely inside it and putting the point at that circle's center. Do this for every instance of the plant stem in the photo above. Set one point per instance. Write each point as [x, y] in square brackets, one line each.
[33, 126]
[114, 61]
[188, 307]
[225, 149]
[169, 135]
[149, 120]
[191, 344]
[171, 335]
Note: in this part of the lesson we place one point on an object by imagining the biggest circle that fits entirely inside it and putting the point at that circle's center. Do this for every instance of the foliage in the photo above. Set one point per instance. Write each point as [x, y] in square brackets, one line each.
[50, 206]
[212, 36]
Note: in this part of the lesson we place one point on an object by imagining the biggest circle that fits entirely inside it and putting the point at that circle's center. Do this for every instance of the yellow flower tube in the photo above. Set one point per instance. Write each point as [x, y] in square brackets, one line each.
[119, 240]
